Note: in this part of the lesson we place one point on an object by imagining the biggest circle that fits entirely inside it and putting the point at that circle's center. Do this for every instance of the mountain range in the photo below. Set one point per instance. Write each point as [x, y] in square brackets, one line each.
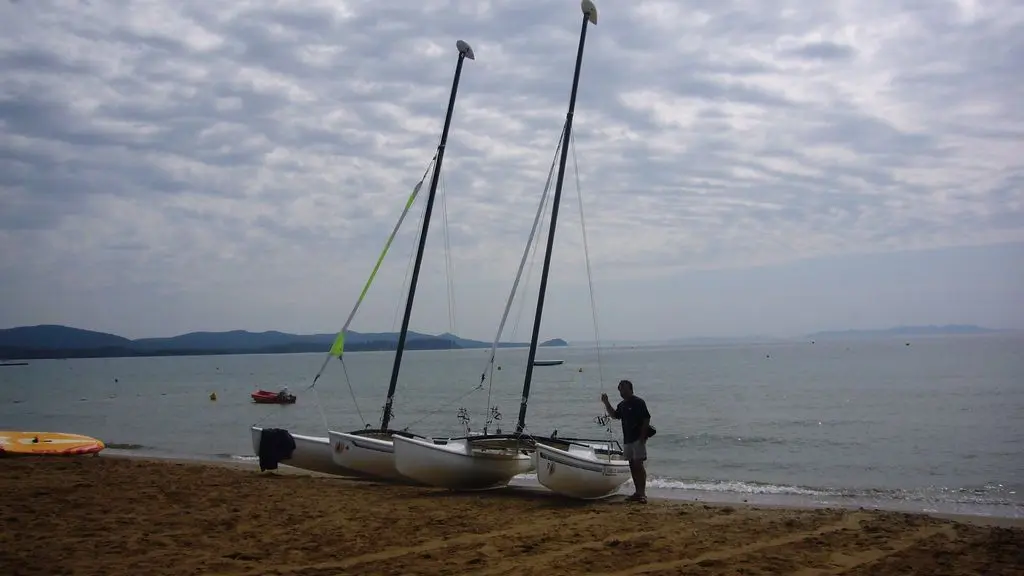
[55, 341]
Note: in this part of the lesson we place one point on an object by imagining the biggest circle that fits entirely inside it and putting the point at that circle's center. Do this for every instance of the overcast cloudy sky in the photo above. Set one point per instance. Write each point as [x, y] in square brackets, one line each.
[759, 166]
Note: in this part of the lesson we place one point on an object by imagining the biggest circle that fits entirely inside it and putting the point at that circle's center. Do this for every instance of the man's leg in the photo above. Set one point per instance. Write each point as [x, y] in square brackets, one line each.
[635, 454]
[641, 473]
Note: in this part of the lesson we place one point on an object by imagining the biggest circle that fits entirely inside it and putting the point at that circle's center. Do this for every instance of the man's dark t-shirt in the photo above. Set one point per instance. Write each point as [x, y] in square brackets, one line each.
[632, 412]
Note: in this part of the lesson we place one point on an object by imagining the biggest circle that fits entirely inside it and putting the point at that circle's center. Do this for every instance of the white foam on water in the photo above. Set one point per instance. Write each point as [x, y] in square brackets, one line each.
[732, 487]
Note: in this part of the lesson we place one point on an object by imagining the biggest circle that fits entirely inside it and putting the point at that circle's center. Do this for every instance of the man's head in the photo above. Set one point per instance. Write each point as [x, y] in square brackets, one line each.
[625, 389]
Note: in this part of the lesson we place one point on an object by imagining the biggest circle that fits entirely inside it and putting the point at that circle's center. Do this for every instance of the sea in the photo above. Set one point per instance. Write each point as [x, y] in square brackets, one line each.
[932, 424]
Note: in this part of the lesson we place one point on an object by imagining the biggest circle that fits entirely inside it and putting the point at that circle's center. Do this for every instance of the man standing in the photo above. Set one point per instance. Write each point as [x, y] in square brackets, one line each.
[632, 411]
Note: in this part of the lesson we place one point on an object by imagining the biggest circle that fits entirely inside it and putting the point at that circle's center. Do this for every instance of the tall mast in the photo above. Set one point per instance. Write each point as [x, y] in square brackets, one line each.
[464, 52]
[589, 17]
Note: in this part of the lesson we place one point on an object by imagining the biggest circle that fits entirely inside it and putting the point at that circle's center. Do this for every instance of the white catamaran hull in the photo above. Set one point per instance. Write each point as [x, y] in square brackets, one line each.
[311, 453]
[365, 454]
[579, 472]
[457, 464]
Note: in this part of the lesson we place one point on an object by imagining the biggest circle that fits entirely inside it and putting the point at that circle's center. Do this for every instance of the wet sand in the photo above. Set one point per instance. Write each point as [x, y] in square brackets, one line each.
[103, 515]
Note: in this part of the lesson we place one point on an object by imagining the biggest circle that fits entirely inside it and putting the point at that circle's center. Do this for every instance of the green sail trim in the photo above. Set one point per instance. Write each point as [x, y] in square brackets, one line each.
[339, 343]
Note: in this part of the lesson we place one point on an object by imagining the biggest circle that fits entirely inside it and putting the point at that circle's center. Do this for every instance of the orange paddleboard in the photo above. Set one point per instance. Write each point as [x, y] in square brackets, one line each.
[47, 444]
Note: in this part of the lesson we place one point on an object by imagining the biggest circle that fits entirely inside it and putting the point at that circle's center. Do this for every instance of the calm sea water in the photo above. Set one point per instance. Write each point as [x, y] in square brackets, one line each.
[937, 425]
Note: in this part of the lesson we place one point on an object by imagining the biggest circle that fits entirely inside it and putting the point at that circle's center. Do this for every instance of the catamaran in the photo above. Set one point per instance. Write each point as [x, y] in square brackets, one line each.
[369, 451]
[485, 461]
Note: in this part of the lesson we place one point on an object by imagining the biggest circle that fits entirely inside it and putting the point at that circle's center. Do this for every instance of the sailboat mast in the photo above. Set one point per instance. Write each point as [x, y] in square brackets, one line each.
[464, 52]
[589, 17]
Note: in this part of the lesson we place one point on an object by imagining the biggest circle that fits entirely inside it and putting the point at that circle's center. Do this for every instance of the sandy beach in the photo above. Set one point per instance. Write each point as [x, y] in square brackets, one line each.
[105, 515]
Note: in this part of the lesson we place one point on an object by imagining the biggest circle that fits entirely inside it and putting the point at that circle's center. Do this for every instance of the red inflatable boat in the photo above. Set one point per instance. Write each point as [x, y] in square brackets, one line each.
[268, 397]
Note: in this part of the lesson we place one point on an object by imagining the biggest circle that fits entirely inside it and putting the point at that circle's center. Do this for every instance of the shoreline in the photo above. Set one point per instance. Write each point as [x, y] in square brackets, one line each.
[987, 512]
[661, 495]
[127, 515]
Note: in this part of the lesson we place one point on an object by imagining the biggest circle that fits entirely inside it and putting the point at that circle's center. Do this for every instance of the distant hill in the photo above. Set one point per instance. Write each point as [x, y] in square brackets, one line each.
[58, 337]
[946, 330]
[54, 341]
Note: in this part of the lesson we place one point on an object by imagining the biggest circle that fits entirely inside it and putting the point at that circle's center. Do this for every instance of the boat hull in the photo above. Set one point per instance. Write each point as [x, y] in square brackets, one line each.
[458, 464]
[578, 472]
[264, 397]
[368, 455]
[312, 453]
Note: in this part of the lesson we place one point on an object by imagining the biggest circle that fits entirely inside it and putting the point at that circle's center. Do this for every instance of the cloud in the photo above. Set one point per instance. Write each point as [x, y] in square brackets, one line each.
[167, 166]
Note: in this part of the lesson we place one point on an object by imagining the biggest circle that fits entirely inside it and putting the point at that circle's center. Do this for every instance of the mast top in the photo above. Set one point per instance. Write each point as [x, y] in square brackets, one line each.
[467, 50]
[590, 11]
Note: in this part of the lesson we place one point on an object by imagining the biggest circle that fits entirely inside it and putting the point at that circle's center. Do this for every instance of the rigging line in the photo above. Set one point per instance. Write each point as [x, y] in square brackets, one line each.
[320, 407]
[408, 268]
[529, 273]
[530, 243]
[412, 250]
[447, 405]
[533, 257]
[519, 272]
[387, 245]
[449, 264]
[348, 381]
[586, 252]
[264, 419]
[531, 265]
[546, 202]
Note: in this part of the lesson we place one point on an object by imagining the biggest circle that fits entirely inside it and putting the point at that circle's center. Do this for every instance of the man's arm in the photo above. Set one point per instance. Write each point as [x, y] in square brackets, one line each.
[613, 412]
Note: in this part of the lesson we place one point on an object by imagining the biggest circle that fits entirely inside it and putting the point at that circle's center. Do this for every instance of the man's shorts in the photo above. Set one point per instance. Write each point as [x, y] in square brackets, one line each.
[634, 451]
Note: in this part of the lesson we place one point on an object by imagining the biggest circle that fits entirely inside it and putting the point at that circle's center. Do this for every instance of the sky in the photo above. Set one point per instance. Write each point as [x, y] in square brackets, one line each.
[745, 167]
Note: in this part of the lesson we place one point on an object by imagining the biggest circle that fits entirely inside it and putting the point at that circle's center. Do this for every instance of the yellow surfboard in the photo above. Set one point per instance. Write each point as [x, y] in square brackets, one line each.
[47, 444]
